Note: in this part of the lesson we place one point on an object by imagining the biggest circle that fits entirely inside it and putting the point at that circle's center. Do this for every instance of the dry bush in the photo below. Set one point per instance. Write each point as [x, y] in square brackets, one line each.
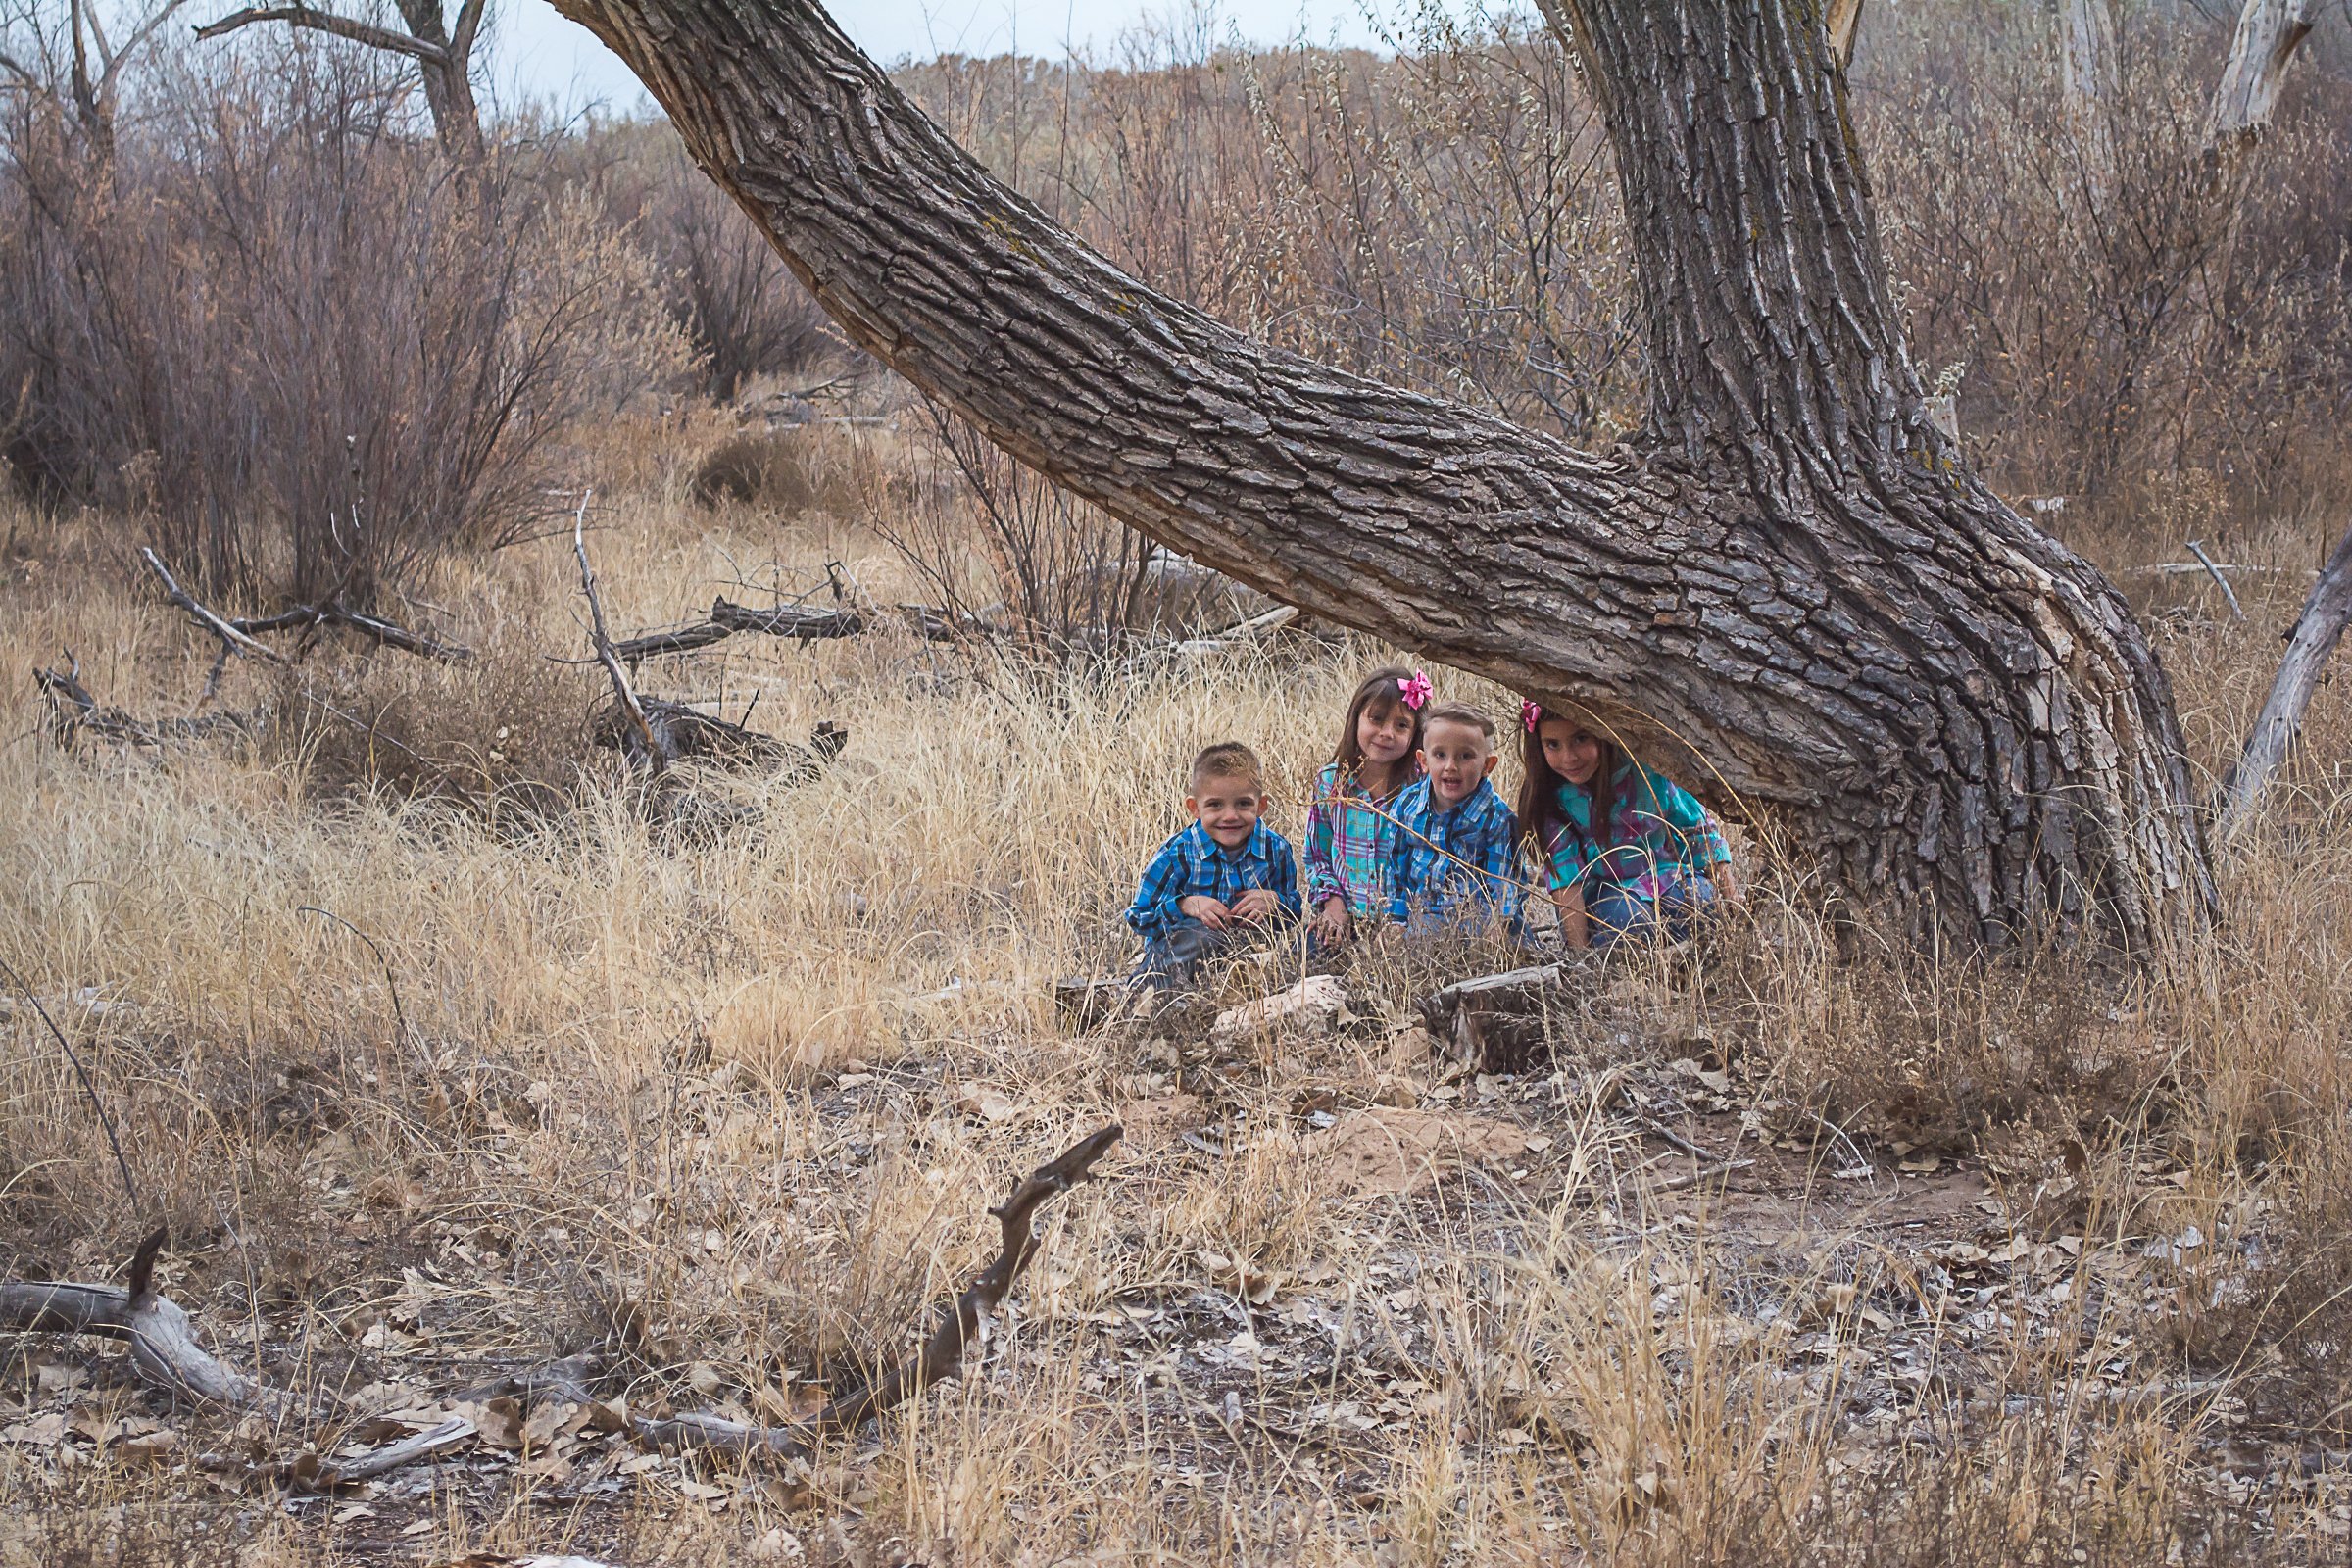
[2109, 311]
[991, 541]
[724, 286]
[314, 358]
[509, 727]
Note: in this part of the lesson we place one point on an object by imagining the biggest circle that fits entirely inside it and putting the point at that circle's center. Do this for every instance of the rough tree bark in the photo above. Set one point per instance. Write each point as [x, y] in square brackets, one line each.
[1791, 579]
[2269, 32]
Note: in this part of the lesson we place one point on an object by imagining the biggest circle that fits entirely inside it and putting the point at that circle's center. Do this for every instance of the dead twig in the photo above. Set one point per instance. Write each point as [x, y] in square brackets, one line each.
[131, 1189]
[624, 693]
[399, 1014]
[229, 636]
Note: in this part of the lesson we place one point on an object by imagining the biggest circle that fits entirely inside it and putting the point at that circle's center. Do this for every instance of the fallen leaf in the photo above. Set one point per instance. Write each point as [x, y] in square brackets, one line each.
[43, 1432]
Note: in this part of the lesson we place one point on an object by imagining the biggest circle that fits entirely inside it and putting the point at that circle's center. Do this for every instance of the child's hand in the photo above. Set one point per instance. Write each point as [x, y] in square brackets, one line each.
[1257, 905]
[1727, 887]
[1333, 924]
[1209, 911]
[1575, 930]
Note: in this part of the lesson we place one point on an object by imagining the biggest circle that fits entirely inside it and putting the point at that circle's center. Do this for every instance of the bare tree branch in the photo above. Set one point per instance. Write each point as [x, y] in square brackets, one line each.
[374, 38]
[623, 692]
[219, 628]
[2317, 632]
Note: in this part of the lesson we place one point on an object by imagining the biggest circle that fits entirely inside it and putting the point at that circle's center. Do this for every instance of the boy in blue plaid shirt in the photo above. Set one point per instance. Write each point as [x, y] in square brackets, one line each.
[1223, 883]
[1452, 856]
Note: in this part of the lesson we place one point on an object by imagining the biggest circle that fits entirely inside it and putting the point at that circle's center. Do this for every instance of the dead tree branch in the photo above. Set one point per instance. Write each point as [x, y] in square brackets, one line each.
[230, 637]
[942, 1354]
[75, 712]
[2314, 637]
[796, 621]
[162, 1338]
[625, 695]
[328, 21]
[376, 629]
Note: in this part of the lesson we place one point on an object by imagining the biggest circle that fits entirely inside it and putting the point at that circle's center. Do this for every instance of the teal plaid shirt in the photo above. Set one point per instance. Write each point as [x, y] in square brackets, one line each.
[1657, 836]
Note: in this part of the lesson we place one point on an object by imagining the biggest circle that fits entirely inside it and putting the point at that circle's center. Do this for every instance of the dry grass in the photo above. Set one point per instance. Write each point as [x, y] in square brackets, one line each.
[736, 1102]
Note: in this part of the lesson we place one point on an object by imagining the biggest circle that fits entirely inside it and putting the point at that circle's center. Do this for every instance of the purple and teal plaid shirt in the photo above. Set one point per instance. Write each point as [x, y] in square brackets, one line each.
[1346, 845]
[1191, 862]
[1453, 865]
[1657, 834]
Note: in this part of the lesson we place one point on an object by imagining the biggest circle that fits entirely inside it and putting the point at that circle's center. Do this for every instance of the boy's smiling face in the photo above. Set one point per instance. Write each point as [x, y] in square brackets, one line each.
[1457, 758]
[1228, 809]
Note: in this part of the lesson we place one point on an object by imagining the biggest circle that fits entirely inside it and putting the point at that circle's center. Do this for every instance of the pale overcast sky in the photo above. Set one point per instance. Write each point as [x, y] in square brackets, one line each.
[539, 54]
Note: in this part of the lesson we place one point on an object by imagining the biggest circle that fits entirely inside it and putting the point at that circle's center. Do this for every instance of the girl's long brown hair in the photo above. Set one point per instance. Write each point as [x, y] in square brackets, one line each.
[1540, 813]
[1385, 687]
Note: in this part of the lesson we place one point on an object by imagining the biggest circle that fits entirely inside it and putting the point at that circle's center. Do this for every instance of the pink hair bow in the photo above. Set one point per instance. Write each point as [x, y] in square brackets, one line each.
[1415, 692]
[1530, 716]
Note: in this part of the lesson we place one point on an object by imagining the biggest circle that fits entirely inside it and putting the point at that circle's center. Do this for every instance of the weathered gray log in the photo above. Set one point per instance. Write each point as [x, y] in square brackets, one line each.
[681, 733]
[1789, 588]
[161, 1340]
[2312, 638]
[796, 622]
[2269, 32]
[784, 620]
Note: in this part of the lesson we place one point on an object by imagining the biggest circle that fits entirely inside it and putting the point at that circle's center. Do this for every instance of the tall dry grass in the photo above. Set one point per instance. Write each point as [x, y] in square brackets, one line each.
[736, 1103]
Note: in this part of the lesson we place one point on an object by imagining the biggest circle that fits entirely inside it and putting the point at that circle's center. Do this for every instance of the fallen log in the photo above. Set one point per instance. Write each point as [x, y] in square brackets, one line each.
[796, 622]
[162, 1338]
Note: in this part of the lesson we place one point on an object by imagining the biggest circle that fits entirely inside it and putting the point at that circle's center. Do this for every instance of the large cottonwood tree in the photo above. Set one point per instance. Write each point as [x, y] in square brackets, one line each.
[1791, 584]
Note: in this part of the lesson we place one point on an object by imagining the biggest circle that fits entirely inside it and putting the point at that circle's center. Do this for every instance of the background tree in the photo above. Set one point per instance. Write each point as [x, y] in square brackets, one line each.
[443, 51]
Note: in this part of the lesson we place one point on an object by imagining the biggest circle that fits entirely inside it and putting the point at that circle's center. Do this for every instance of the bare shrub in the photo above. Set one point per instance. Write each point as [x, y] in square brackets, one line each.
[993, 542]
[2103, 302]
[724, 286]
[311, 355]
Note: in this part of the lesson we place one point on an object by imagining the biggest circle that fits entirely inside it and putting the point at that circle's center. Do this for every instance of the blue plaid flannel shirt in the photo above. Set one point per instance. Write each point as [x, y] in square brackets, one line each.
[1454, 865]
[1191, 862]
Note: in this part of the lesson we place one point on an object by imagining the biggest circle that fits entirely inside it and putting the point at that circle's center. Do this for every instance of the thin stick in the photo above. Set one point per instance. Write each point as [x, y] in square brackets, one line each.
[130, 1188]
[604, 640]
[400, 1015]
[230, 636]
[2196, 548]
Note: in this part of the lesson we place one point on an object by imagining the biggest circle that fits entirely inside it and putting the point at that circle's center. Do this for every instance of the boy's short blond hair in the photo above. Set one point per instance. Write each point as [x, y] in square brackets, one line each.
[1227, 759]
[1458, 713]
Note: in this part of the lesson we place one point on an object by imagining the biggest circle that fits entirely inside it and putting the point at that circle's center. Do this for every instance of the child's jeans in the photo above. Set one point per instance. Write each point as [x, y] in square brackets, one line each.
[1614, 913]
[1176, 958]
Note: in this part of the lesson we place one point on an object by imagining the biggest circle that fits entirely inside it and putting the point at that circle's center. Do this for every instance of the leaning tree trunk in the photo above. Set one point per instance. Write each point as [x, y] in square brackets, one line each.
[1791, 585]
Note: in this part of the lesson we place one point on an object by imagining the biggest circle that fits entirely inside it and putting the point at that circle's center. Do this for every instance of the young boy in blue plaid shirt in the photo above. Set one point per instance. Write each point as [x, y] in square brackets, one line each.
[1452, 856]
[1223, 883]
